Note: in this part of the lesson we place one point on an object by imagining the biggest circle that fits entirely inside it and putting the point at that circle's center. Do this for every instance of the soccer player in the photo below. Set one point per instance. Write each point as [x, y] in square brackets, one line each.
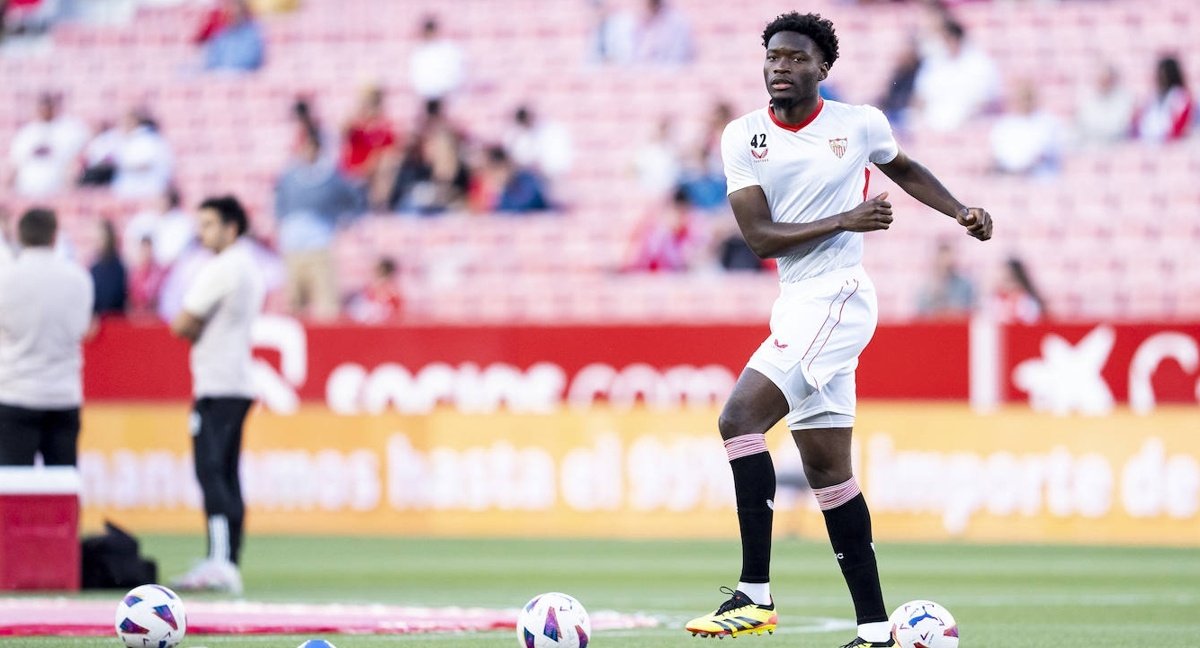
[797, 175]
[218, 313]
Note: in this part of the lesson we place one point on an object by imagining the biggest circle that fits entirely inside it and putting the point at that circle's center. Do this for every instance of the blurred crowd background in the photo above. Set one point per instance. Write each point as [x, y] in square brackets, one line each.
[558, 160]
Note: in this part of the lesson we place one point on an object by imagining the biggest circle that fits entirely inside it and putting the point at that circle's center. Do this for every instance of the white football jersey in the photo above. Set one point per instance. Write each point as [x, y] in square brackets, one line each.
[810, 171]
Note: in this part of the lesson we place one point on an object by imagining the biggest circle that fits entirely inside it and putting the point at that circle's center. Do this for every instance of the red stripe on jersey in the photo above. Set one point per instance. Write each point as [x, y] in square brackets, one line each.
[866, 182]
[795, 127]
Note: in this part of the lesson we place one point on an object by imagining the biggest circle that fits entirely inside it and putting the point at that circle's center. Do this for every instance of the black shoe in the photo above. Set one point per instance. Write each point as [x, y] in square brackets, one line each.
[859, 642]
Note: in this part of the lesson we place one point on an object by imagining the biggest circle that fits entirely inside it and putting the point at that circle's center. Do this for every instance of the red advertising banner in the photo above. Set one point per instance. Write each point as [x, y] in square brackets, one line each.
[1087, 368]
[353, 370]
[328, 363]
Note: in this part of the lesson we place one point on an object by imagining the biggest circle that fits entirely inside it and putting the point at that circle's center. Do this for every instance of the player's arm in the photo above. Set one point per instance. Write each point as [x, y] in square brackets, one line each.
[200, 302]
[187, 326]
[767, 238]
[918, 182]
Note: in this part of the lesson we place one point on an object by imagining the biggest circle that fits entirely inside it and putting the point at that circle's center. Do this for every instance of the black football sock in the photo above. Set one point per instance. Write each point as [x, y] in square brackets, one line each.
[849, 526]
[754, 485]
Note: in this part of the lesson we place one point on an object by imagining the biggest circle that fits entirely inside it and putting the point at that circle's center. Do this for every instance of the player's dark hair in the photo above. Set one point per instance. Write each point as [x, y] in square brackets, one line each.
[230, 211]
[387, 266]
[37, 227]
[819, 29]
[954, 28]
[1171, 72]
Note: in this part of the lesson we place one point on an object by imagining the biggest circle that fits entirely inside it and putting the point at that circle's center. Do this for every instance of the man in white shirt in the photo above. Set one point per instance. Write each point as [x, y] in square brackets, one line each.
[956, 81]
[1027, 139]
[45, 313]
[144, 163]
[436, 65]
[218, 314]
[44, 152]
[797, 173]
[170, 229]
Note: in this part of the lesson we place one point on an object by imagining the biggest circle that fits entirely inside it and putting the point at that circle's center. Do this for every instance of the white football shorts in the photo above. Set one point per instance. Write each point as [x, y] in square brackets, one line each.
[819, 327]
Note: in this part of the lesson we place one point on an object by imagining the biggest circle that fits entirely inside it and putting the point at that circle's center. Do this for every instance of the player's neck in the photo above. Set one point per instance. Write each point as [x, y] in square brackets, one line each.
[796, 113]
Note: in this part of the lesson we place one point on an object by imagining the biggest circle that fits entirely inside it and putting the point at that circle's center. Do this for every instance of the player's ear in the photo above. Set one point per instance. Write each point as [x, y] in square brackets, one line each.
[824, 70]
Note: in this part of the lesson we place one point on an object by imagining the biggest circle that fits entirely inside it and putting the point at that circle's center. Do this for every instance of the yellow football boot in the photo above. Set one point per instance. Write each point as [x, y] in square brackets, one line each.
[737, 616]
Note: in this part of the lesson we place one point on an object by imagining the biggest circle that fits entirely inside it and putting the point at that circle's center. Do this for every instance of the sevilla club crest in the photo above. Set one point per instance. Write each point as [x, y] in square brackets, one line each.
[838, 146]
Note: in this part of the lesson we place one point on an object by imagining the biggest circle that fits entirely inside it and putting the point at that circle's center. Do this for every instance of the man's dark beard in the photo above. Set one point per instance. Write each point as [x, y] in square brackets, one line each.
[784, 103]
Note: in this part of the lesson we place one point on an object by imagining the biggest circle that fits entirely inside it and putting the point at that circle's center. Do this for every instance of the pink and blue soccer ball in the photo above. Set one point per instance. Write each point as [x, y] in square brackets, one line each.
[553, 620]
[317, 643]
[151, 616]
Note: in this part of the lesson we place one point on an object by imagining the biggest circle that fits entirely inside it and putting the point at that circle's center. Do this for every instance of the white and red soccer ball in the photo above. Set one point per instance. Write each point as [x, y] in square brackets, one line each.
[924, 624]
[151, 616]
[553, 620]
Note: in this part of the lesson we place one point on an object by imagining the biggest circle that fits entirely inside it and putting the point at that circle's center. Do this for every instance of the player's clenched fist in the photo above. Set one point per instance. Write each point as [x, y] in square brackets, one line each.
[874, 214]
[977, 221]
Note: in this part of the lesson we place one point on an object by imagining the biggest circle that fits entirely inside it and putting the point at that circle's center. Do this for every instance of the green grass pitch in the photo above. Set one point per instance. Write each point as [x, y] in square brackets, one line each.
[1002, 596]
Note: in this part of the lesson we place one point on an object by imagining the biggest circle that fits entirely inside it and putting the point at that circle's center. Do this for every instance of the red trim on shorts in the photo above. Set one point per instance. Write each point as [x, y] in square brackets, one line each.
[835, 325]
[823, 323]
[796, 127]
[867, 182]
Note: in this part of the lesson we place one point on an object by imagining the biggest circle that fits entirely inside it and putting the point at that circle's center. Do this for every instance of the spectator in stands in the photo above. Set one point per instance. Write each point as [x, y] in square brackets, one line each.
[311, 197]
[380, 301]
[1105, 110]
[144, 162]
[657, 162]
[1027, 139]
[897, 97]
[27, 17]
[170, 229]
[232, 39]
[735, 255]
[612, 38]
[949, 294]
[1168, 115]
[145, 279]
[44, 152]
[108, 274]
[1016, 299]
[673, 239]
[436, 66]
[501, 186]
[703, 174]
[539, 145]
[663, 36]
[45, 312]
[367, 136]
[432, 175]
[955, 82]
[100, 155]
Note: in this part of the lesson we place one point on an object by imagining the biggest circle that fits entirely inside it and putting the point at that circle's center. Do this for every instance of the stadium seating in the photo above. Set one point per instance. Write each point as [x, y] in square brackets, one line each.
[1114, 236]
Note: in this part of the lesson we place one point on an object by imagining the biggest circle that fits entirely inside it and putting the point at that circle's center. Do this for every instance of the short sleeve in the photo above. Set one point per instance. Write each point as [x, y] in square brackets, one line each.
[881, 145]
[206, 291]
[735, 153]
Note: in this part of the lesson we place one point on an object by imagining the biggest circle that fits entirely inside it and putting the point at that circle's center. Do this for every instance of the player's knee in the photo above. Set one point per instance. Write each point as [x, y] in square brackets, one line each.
[736, 420]
[824, 475]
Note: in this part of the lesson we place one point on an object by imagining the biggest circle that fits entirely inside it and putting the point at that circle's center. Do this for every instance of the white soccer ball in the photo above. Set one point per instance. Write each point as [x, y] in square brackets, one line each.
[553, 620]
[151, 616]
[923, 624]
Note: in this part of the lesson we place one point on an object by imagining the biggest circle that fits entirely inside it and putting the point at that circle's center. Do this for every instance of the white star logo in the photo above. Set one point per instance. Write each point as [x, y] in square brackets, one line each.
[1067, 378]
